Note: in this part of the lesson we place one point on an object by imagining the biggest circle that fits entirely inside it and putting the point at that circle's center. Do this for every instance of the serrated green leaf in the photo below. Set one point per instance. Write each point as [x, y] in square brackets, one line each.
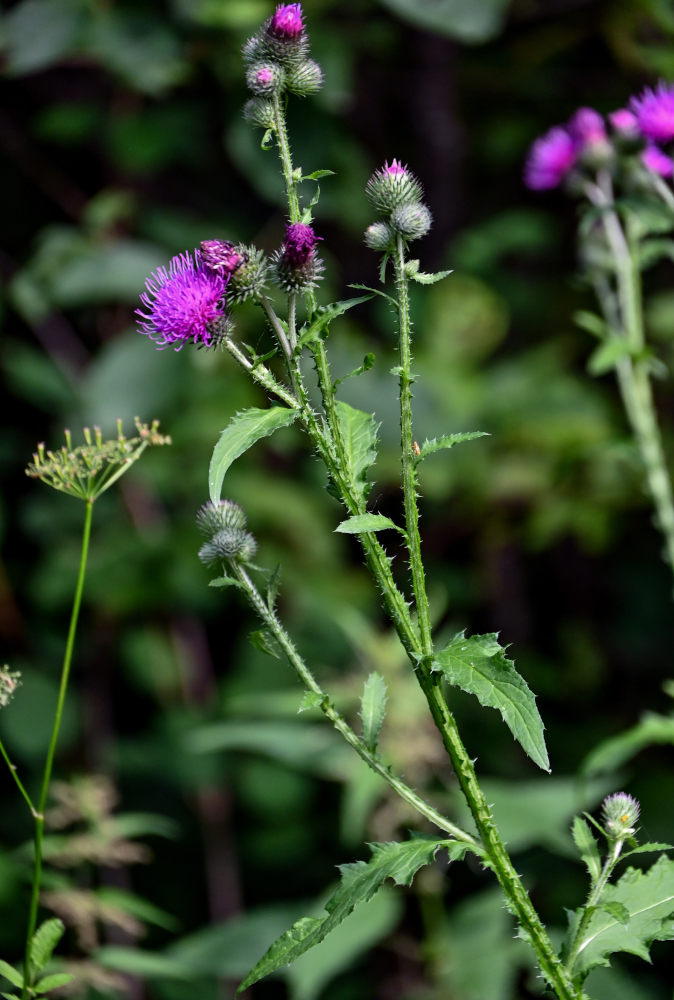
[373, 709]
[647, 849]
[10, 973]
[617, 911]
[324, 317]
[310, 700]
[359, 434]
[359, 882]
[244, 430]
[224, 581]
[53, 982]
[648, 898]
[428, 279]
[45, 939]
[477, 664]
[587, 847]
[316, 175]
[263, 640]
[604, 358]
[365, 522]
[429, 447]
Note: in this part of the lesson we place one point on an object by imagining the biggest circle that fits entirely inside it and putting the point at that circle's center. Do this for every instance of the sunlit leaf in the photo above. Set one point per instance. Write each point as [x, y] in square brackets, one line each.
[243, 431]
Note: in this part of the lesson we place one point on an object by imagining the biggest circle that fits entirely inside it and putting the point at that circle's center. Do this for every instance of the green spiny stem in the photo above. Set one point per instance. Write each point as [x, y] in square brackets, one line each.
[409, 476]
[51, 750]
[286, 159]
[631, 369]
[592, 900]
[261, 374]
[271, 620]
[19, 784]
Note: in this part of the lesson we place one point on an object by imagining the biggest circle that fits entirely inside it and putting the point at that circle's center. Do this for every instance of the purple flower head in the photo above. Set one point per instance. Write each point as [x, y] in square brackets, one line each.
[183, 304]
[550, 159]
[220, 255]
[394, 168]
[657, 161]
[587, 126]
[286, 21]
[654, 110]
[624, 121]
[299, 243]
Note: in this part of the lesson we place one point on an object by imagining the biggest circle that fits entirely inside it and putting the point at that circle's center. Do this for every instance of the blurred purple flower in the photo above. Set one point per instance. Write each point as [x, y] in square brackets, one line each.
[657, 161]
[286, 21]
[625, 121]
[550, 159]
[654, 110]
[586, 126]
[299, 243]
[184, 303]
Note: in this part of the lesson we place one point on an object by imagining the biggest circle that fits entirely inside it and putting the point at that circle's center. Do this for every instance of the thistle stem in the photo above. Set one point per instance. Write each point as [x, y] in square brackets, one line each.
[592, 900]
[51, 751]
[271, 620]
[283, 144]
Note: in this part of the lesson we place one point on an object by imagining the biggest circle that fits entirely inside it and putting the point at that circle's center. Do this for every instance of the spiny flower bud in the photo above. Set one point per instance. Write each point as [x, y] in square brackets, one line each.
[9, 682]
[229, 543]
[392, 186]
[249, 279]
[220, 255]
[379, 236]
[620, 813]
[252, 50]
[259, 112]
[265, 78]
[214, 517]
[284, 39]
[296, 265]
[412, 221]
[304, 78]
[286, 22]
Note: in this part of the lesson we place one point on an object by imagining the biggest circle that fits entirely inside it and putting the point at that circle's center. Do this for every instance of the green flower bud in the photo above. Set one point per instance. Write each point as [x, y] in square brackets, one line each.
[620, 813]
[265, 78]
[214, 517]
[249, 279]
[304, 78]
[229, 543]
[412, 221]
[379, 236]
[259, 112]
[392, 186]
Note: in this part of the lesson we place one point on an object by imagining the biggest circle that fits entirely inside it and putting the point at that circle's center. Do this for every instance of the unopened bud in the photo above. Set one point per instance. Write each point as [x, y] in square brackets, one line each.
[304, 78]
[259, 112]
[392, 186]
[265, 78]
[411, 221]
[620, 813]
[379, 236]
[249, 279]
[213, 517]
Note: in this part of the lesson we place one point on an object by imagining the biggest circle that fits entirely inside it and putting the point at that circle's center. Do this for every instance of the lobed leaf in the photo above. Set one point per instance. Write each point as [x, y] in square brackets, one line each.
[373, 709]
[648, 902]
[45, 939]
[429, 447]
[428, 279]
[477, 664]
[243, 431]
[264, 640]
[366, 522]
[359, 882]
[359, 434]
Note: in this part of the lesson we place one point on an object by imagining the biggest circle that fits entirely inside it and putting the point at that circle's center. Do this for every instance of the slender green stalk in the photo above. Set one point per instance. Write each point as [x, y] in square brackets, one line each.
[272, 622]
[283, 144]
[592, 900]
[261, 374]
[51, 751]
[19, 784]
[632, 369]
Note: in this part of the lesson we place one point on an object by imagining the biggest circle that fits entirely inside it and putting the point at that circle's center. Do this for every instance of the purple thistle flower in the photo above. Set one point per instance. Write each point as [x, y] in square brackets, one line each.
[550, 159]
[394, 168]
[657, 161]
[587, 126]
[286, 21]
[184, 303]
[298, 244]
[654, 110]
[624, 121]
[220, 255]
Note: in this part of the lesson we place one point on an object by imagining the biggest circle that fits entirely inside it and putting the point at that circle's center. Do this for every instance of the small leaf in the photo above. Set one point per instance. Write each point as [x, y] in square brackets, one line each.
[324, 317]
[53, 982]
[224, 581]
[263, 640]
[382, 268]
[647, 849]
[273, 587]
[477, 664]
[359, 523]
[45, 939]
[373, 709]
[591, 323]
[604, 358]
[428, 279]
[9, 972]
[267, 139]
[446, 441]
[367, 364]
[359, 434]
[376, 291]
[316, 175]
[359, 882]
[310, 700]
[587, 847]
[243, 431]
[617, 911]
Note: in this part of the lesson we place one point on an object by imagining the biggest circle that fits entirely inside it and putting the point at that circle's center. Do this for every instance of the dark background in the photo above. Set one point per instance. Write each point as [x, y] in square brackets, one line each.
[123, 144]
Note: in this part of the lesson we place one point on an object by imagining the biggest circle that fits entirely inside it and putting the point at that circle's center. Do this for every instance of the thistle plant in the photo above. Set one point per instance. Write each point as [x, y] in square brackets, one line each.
[85, 472]
[621, 170]
[191, 302]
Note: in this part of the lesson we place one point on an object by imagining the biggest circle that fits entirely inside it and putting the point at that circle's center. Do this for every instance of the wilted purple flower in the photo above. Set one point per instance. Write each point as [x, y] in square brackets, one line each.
[654, 110]
[657, 161]
[286, 21]
[184, 303]
[299, 243]
[625, 121]
[220, 255]
[550, 158]
[586, 126]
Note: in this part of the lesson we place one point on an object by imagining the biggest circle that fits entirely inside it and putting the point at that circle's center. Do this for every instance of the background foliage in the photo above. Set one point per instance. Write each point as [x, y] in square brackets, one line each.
[123, 145]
